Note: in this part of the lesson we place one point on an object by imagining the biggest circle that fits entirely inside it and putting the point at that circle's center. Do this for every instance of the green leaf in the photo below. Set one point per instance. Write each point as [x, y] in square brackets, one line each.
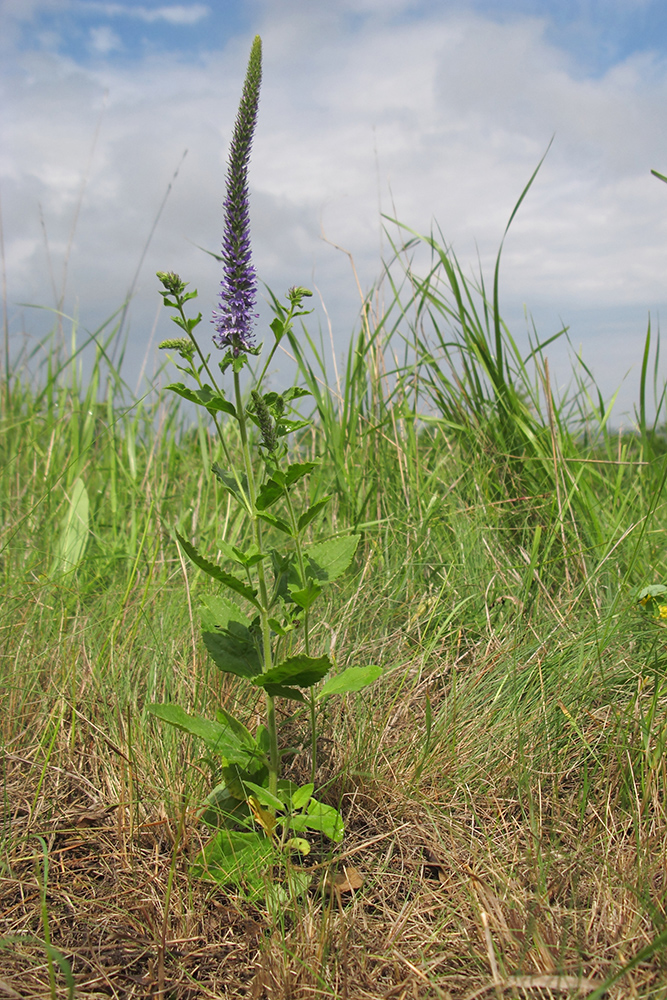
[328, 560]
[654, 591]
[218, 612]
[269, 492]
[242, 859]
[302, 796]
[321, 817]
[295, 392]
[312, 512]
[228, 637]
[306, 598]
[297, 470]
[277, 522]
[233, 653]
[264, 796]
[280, 691]
[231, 483]
[74, 531]
[235, 775]
[213, 401]
[247, 559]
[232, 582]
[242, 734]
[221, 808]
[301, 670]
[351, 679]
[217, 737]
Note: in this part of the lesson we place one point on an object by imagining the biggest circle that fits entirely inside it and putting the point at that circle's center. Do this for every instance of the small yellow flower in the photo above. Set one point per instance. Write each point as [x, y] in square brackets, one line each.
[662, 610]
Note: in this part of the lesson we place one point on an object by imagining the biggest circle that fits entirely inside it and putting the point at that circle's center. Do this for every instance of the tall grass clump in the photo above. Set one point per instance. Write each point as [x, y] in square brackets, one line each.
[502, 787]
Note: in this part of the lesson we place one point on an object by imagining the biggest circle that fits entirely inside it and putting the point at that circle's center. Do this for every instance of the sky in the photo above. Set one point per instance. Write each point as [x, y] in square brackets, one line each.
[115, 120]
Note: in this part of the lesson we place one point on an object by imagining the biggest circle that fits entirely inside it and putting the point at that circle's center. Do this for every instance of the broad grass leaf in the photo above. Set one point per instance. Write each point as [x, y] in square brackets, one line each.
[351, 679]
[232, 582]
[217, 736]
[328, 560]
[74, 530]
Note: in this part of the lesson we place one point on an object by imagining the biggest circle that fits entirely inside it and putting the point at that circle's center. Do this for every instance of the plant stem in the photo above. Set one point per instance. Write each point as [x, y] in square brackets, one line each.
[306, 633]
[267, 660]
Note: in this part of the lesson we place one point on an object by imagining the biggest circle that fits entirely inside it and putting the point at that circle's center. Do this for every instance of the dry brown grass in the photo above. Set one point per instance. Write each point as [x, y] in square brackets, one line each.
[465, 893]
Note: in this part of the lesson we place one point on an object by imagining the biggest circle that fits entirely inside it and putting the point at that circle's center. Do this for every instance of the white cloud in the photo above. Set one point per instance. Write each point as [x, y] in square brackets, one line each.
[104, 40]
[446, 115]
[171, 13]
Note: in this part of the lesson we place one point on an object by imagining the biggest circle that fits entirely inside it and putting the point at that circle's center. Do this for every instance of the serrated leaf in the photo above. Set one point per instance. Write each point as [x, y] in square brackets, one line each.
[312, 512]
[296, 392]
[351, 679]
[206, 396]
[297, 470]
[269, 492]
[301, 670]
[277, 522]
[217, 612]
[217, 737]
[232, 582]
[306, 598]
[280, 691]
[231, 483]
[248, 558]
[328, 560]
[232, 653]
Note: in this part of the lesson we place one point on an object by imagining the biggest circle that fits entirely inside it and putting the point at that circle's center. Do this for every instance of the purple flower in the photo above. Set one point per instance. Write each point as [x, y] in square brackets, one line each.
[233, 319]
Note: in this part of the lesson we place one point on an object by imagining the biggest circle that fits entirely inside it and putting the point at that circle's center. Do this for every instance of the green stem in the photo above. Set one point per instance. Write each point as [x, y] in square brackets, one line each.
[218, 428]
[267, 660]
[306, 633]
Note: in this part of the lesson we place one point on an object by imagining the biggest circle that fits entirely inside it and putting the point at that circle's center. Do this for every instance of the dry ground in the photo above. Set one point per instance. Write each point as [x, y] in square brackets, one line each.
[460, 899]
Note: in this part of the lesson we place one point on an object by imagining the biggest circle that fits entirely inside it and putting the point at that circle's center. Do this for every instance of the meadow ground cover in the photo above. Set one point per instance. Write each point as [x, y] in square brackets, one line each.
[502, 785]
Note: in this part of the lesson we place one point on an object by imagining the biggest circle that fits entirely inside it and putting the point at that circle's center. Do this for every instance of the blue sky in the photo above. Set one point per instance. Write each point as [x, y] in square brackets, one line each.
[436, 110]
[597, 33]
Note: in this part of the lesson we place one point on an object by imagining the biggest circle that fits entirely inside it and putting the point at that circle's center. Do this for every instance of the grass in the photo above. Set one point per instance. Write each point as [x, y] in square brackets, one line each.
[503, 787]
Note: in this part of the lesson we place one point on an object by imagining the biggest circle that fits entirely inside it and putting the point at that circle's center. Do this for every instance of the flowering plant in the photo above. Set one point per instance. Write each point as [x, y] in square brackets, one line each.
[653, 600]
[255, 811]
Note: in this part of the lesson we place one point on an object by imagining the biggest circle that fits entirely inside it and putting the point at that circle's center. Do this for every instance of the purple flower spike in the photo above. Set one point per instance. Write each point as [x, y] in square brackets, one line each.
[233, 319]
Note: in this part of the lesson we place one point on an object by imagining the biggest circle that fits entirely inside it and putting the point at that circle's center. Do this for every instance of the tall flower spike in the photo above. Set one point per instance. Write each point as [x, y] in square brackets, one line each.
[233, 319]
